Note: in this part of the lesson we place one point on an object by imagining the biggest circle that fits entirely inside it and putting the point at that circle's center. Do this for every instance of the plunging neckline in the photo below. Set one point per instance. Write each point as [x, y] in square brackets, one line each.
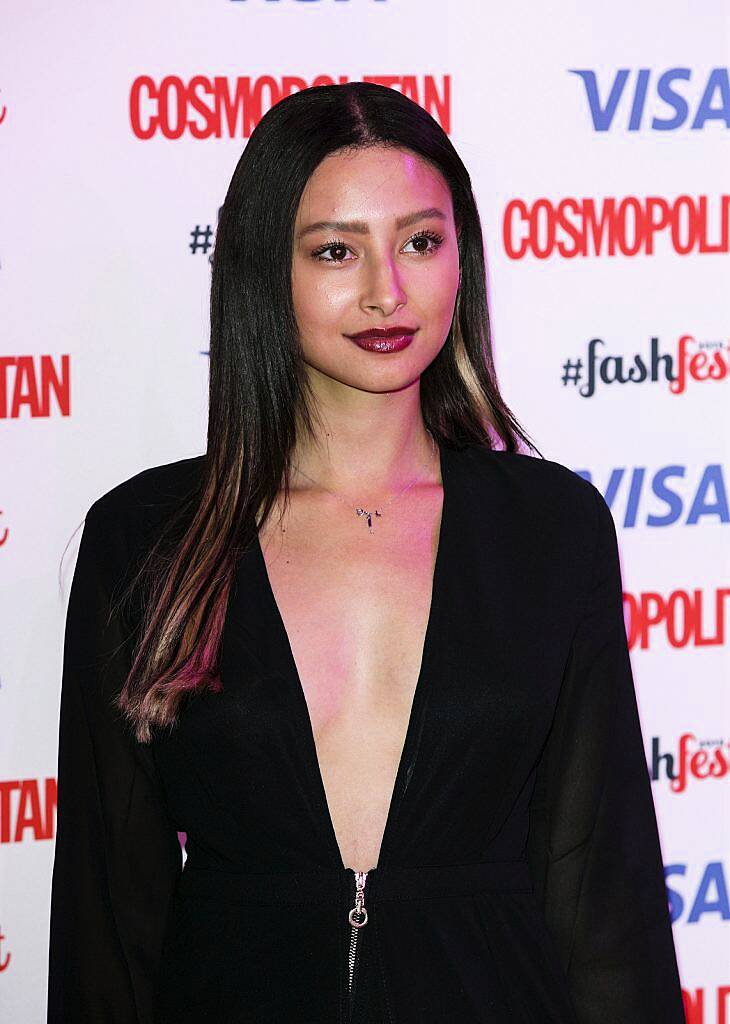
[417, 700]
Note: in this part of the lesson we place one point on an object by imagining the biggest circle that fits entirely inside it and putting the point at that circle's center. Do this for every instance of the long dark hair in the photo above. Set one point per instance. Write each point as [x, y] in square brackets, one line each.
[258, 395]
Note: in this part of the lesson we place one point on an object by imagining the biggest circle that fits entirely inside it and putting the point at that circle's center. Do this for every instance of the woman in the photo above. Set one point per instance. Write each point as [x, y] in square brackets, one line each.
[365, 653]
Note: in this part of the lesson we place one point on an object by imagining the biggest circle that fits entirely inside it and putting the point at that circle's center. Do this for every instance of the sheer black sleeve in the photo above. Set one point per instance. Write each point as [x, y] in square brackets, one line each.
[593, 844]
[117, 856]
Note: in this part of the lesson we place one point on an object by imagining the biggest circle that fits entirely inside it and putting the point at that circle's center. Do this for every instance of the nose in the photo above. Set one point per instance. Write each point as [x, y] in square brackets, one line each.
[383, 290]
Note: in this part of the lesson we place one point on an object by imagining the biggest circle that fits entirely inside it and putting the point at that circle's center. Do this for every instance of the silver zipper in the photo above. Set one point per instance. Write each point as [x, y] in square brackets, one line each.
[357, 917]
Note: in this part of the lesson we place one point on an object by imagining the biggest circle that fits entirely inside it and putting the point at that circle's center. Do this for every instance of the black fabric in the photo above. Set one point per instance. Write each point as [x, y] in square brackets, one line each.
[520, 876]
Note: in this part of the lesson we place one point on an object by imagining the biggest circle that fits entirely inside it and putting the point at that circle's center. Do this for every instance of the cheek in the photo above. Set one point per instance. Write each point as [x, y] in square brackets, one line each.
[320, 298]
[435, 294]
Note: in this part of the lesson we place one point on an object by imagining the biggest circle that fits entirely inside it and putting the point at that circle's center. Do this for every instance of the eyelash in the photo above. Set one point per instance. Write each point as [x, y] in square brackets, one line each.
[338, 243]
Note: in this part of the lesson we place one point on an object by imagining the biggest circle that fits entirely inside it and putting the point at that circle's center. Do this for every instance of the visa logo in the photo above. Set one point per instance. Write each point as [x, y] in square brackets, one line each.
[708, 897]
[646, 86]
[665, 497]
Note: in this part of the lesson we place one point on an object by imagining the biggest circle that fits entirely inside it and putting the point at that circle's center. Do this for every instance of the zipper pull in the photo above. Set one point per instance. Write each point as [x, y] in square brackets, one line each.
[359, 910]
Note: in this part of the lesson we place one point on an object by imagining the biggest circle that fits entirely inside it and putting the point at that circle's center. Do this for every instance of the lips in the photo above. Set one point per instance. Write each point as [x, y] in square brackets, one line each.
[383, 332]
[384, 339]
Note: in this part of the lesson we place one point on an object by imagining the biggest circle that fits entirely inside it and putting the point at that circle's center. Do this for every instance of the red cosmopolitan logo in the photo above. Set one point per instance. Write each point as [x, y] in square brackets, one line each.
[27, 809]
[707, 1006]
[684, 618]
[28, 383]
[228, 108]
[4, 957]
[689, 759]
[627, 226]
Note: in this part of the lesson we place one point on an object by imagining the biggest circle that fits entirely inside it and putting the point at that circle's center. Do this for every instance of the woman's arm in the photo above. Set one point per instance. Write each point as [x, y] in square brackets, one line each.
[594, 846]
[117, 855]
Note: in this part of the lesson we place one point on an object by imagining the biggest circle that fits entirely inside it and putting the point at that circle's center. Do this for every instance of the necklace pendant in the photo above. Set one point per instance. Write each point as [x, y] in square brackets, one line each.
[364, 512]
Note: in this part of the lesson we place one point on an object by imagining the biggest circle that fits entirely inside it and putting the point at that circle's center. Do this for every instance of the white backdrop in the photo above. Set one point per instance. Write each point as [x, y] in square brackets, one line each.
[563, 114]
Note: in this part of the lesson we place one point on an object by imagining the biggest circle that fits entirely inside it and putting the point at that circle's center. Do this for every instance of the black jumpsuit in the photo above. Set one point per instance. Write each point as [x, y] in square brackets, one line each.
[520, 878]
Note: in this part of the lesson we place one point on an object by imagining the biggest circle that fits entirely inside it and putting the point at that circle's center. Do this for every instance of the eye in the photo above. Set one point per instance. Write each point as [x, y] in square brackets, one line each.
[427, 236]
[336, 245]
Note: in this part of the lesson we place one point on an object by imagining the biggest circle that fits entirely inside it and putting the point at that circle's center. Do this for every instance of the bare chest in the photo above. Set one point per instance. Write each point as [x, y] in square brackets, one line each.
[355, 608]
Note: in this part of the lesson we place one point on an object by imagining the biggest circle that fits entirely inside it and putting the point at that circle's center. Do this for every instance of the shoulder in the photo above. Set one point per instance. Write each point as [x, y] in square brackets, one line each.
[133, 509]
[547, 500]
[529, 477]
[123, 524]
[158, 487]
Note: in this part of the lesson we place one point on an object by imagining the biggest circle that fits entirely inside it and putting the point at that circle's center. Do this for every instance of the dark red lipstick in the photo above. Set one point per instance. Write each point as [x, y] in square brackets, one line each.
[384, 339]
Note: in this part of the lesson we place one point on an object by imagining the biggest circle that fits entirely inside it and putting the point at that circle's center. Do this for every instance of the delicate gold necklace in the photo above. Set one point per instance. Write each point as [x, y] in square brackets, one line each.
[377, 511]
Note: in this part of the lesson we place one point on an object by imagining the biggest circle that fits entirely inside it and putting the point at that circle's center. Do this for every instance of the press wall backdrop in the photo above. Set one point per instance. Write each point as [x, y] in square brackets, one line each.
[597, 140]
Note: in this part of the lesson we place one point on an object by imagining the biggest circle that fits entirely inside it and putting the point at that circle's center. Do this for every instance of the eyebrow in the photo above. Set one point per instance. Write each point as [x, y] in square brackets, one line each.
[359, 227]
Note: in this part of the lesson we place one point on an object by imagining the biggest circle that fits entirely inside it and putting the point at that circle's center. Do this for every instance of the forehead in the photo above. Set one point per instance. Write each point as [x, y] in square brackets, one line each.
[377, 183]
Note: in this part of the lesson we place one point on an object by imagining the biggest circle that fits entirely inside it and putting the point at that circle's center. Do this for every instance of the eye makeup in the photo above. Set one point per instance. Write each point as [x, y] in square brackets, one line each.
[337, 243]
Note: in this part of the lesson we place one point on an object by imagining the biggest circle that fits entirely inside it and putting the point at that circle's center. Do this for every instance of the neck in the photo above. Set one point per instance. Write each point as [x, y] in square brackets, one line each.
[366, 461]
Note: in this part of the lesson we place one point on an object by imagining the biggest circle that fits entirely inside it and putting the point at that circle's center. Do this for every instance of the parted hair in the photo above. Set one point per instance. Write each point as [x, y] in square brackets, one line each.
[258, 390]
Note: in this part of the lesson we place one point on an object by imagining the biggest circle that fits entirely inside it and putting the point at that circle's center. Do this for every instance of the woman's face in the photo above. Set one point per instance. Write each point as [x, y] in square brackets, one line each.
[363, 269]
